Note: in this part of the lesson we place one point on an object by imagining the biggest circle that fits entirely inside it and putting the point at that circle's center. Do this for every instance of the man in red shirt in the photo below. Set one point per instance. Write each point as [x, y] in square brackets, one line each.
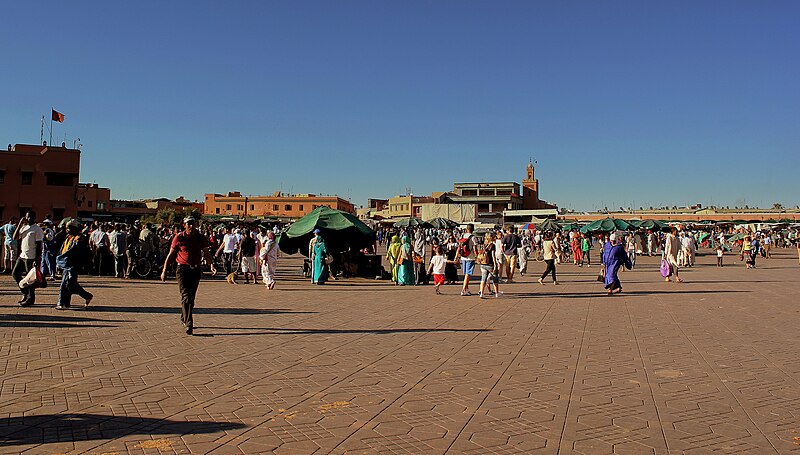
[188, 249]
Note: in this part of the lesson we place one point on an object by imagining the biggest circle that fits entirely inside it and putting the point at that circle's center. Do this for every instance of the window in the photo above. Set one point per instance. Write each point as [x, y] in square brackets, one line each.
[469, 192]
[300, 207]
[58, 214]
[274, 207]
[60, 178]
[89, 204]
[217, 210]
[287, 207]
[27, 178]
[227, 206]
[252, 206]
[2, 178]
[101, 206]
[80, 203]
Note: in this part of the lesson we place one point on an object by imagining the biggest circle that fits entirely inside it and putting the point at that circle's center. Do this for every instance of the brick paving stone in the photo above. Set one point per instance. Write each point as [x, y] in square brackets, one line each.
[358, 366]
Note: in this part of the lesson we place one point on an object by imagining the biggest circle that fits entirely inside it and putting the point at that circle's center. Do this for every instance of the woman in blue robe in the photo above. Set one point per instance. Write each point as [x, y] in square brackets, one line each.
[614, 257]
[320, 268]
[405, 269]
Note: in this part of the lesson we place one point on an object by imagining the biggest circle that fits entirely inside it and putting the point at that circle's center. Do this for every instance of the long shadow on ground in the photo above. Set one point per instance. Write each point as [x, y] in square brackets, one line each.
[300, 331]
[49, 321]
[85, 427]
[197, 310]
[601, 293]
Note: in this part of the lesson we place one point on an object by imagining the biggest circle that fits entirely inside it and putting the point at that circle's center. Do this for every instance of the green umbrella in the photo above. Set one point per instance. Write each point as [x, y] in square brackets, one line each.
[606, 225]
[570, 226]
[340, 230]
[549, 225]
[411, 222]
[653, 225]
[442, 223]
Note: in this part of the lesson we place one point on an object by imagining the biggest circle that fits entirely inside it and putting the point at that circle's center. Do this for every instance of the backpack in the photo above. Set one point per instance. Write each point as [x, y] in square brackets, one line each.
[463, 247]
[482, 255]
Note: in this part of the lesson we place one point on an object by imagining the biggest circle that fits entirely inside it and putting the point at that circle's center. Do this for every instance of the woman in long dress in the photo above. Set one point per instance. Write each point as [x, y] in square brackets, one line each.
[614, 257]
[405, 268]
[269, 260]
[391, 255]
[320, 268]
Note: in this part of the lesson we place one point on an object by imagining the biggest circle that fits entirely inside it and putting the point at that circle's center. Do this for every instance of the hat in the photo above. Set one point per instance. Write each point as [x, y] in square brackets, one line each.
[73, 223]
[136, 222]
[189, 219]
[317, 231]
[48, 221]
[613, 237]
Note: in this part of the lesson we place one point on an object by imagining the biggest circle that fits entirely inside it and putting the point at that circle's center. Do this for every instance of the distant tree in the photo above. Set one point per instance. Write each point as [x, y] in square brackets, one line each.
[777, 206]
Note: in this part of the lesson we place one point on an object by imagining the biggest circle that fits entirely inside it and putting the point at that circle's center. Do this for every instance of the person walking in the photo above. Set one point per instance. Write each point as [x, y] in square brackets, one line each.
[9, 245]
[451, 252]
[319, 266]
[510, 245]
[577, 256]
[392, 254]
[247, 256]
[405, 263]
[630, 246]
[420, 247]
[132, 249]
[586, 246]
[490, 270]
[466, 250]
[29, 237]
[614, 257]
[188, 249]
[49, 247]
[228, 246]
[119, 244]
[269, 261]
[549, 254]
[71, 256]
[672, 246]
[98, 241]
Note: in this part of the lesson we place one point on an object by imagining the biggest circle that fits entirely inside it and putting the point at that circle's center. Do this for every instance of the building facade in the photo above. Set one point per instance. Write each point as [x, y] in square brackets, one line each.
[39, 178]
[277, 205]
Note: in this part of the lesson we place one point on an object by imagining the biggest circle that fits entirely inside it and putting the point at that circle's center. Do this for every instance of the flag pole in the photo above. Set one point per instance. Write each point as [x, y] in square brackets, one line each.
[51, 125]
[41, 132]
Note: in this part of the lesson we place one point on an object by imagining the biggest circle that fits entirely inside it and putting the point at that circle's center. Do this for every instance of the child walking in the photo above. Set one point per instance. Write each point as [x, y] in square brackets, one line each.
[720, 253]
[437, 266]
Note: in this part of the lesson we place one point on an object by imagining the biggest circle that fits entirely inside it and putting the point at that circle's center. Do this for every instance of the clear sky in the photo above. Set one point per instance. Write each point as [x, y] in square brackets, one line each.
[621, 103]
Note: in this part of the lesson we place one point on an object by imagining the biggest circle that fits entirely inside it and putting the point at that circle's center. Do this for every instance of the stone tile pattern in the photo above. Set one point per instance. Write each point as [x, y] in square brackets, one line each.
[357, 366]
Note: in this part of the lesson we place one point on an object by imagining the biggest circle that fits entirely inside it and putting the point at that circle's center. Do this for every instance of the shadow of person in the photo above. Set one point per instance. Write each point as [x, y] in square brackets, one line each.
[54, 428]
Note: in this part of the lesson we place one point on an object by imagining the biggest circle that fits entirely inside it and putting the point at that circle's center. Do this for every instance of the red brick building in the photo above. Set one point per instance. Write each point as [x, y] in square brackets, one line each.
[277, 205]
[40, 178]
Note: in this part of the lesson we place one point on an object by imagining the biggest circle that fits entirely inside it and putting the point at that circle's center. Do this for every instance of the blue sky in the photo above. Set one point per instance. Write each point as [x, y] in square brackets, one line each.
[621, 103]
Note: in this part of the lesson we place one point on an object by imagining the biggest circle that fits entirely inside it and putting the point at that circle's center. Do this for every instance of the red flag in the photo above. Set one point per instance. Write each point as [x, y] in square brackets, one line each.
[58, 116]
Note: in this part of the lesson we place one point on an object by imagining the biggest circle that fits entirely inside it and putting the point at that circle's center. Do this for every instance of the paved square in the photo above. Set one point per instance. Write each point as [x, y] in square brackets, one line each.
[357, 366]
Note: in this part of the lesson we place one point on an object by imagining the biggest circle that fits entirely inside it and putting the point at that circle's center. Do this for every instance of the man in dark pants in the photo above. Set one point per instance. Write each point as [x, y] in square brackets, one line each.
[29, 236]
[72, 254]
[188, 249]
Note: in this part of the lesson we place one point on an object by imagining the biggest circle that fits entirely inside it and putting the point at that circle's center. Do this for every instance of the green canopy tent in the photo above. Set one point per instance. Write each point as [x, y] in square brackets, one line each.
[652, 225]
[443, 223]
[606, 225]
[412, 222]
[549, 225]
[570, 226]
[340, 230]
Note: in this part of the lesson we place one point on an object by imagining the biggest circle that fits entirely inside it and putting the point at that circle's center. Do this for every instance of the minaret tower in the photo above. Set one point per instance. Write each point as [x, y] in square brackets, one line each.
[530, 189]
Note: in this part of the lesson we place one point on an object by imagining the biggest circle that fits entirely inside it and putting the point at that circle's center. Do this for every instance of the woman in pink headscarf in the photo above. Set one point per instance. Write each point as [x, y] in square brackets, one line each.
[269, 260]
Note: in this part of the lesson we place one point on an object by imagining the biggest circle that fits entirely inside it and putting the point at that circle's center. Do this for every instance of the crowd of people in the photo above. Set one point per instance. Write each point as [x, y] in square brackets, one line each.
[417, 255]
[414, 256]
